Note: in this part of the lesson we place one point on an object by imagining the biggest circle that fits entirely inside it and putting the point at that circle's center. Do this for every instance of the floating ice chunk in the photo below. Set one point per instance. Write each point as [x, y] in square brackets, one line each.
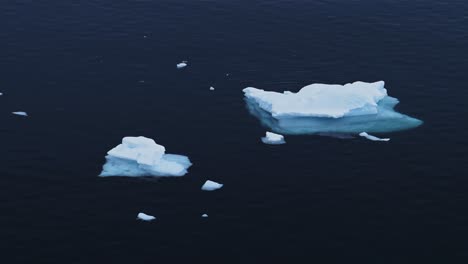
[373, 138]
[322, 108]
[141, 156]
[273, 139]
[1, 94]
[181, 65]
[212, 88]
[204, 215]
[145, 217]
[211, 186]
[20, 113]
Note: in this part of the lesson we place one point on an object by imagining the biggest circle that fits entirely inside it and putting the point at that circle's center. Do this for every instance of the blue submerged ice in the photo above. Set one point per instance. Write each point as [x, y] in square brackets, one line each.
[141, 156]
[323, 108]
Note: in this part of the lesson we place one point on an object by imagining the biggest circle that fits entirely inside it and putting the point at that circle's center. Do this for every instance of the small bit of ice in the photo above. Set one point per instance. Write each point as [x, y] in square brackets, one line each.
[145, 217]
[273, 139]
[204, 215]
[373, 138]
[20, 113]
[181, 65]
[211, 186]
[141, 81]
[145, 36]
[212, 88]
[1, 94]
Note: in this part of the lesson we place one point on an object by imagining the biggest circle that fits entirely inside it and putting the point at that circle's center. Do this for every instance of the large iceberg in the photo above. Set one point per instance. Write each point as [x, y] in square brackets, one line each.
[141, 156]
[324, 108]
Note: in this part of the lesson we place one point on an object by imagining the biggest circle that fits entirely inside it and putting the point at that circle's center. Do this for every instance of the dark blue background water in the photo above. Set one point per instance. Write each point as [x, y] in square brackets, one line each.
[76, 67]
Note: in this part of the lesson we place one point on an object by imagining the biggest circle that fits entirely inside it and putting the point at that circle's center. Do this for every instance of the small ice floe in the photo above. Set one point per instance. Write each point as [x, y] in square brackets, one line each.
[181, 65]
[211, 186]
[20, 113]
[273, 139]
[1, 94]
[227, 74]
[373, 138]
[211, 88]
[145, 36]
[145, 217]
[141, 156]
[204, 215]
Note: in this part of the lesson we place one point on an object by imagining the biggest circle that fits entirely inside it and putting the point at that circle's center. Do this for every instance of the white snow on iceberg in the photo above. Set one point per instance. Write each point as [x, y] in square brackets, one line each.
[20, 113]
[273, 139]
[373, 138]
[323, 108]
[141, 156]
[211, 186]
[145, 217]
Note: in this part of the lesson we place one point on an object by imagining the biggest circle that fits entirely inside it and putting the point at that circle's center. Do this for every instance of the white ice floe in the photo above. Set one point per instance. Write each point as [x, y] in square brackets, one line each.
[1, 94]
[141, 156]
[204, 215]
[273, 139]
[20, 113]
[145, 217]
[373, 138]
[181, 65]
[318, 108]
[211, 186]
[212, 88]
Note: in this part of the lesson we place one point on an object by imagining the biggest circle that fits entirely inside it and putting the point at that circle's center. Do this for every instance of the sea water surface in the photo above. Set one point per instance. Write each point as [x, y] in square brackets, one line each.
[91, 72]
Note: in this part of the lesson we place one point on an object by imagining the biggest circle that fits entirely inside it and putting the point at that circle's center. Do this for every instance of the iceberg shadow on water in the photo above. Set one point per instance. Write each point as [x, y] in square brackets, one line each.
[386, 119]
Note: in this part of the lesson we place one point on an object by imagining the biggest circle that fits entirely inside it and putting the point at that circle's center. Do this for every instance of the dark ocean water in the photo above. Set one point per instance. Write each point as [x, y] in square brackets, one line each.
[77, 68]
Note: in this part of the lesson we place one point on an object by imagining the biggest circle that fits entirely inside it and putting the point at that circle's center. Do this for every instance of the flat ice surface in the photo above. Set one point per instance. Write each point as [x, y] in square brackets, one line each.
[20, 113]
[145, 217]
[321, 108]
[273, 138]
[141, 156]
[211, 186]
[182, 65]
[321, 100]
[373, 138]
